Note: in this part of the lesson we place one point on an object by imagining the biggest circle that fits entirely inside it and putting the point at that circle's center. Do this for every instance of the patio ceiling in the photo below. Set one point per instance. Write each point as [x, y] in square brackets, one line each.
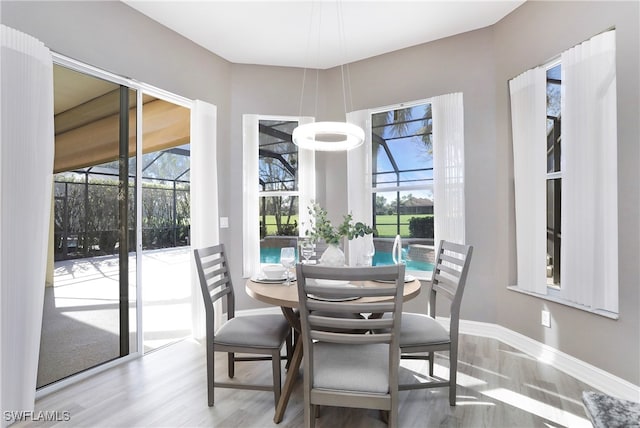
[87, 122]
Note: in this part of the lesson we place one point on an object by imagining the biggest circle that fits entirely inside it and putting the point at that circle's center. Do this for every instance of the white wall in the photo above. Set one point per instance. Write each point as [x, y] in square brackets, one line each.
[114, 37]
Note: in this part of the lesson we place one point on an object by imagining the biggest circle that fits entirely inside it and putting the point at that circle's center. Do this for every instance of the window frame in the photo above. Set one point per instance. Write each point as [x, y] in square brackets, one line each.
[398, 189]
[252, 193]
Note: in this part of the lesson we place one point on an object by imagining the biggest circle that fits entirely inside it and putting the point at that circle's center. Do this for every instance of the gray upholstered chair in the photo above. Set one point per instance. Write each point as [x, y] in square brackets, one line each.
[421, 333]
[253, 334]
[342, 366]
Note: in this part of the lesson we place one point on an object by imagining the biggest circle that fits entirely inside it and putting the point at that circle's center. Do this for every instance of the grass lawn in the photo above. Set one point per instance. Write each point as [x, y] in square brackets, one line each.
[271, 222]
[387, 227]
[385, 224]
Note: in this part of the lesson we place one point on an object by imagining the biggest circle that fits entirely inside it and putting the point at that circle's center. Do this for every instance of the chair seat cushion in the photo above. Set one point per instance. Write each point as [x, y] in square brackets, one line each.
[258, 331]
[419, 329]
[358, 368]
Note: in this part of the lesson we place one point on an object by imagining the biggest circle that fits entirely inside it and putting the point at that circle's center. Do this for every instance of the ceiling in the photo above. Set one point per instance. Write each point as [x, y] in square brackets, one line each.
[320, 33]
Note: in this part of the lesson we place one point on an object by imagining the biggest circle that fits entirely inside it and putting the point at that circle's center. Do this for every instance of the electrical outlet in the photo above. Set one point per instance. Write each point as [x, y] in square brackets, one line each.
[224, 222]
[546, 319]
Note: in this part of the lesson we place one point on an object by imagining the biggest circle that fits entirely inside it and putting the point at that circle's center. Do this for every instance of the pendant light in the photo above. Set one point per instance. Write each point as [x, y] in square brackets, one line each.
[329, 136]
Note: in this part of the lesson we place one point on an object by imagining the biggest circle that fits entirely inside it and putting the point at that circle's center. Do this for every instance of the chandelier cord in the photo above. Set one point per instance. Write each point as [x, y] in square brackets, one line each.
[343, 44]
[318, 45]
[307, 60]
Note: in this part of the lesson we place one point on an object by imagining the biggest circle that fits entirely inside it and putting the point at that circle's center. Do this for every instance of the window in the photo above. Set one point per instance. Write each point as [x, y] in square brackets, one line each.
[402, 183]
[411, 168]
[566, 187]
[279, 183]
[554, 173]
[278, 193]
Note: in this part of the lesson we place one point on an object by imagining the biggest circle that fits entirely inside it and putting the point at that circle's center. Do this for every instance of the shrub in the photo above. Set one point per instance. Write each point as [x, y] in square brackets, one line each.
[421, 227]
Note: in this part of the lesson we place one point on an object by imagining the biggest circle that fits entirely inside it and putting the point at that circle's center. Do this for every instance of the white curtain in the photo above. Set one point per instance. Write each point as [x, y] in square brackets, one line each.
[448, 168]
[306, 182]
[251, 212]
[204, 201]
[528, 126]
[359, 182]
[589, 251]
[250, 188]
[26, 178]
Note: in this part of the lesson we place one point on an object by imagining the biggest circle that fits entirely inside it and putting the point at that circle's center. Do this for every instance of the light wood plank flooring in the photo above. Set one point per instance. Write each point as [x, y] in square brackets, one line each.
[498, 386]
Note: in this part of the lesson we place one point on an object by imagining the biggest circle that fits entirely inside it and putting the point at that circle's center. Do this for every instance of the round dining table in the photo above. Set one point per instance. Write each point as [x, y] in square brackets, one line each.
[286, 297]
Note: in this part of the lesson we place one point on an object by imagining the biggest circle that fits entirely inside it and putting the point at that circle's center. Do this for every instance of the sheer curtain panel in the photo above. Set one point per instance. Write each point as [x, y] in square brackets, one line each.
[528, 127]
[448, 168]
[589, 252]
[251, 208]
[359, 182]
[204, 200]
[26, 179]
[306, 182]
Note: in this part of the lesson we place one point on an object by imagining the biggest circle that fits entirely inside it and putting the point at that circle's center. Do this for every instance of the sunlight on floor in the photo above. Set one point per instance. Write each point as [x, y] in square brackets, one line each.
[555, 394]
[561, 417]
[537, 408]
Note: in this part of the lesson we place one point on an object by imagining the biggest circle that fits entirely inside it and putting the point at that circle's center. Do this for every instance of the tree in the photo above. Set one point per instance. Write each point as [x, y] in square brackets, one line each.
[381, 204]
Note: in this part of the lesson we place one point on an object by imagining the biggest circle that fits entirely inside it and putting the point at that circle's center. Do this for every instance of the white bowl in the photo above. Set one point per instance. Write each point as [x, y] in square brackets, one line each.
[274, 271]
[330, 282]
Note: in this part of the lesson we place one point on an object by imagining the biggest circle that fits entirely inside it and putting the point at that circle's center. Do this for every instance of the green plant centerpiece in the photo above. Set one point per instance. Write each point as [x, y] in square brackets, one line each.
[322, 229]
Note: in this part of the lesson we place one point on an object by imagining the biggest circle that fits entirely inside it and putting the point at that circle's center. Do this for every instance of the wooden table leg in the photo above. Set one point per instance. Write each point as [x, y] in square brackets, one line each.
[292, 375]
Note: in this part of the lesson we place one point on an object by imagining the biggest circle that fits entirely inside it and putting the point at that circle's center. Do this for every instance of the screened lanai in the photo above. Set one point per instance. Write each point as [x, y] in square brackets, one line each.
[86, 220]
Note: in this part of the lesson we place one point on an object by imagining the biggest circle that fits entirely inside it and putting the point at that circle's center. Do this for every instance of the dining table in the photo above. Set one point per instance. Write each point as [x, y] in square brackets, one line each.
[286, 297]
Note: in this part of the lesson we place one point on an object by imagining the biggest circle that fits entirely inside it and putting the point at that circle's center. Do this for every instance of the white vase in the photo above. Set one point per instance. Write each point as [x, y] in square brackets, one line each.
[367, 251]
[332, 256]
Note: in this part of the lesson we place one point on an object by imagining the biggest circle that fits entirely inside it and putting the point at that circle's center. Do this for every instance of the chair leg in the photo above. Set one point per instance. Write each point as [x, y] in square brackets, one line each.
[231, 364]
[431, 357]
[393, 417]
[310, 412]
[277, 380]
[384, 416]
[453, 373]
[210, 373]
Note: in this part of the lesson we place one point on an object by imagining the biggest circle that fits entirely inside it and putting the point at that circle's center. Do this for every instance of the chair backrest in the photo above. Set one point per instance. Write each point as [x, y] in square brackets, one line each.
[449, 278]
[215, 279]
[323, 317]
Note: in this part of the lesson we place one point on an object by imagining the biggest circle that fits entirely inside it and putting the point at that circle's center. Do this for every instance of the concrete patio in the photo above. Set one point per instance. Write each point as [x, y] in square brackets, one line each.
[81, 316]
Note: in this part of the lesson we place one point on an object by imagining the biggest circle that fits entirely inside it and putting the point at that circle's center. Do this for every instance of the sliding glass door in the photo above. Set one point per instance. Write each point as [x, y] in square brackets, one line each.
[166, 222]
[90, 299]
[121, 207]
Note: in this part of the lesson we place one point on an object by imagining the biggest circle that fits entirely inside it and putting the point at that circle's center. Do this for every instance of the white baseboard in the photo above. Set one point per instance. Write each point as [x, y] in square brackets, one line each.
[584, 372]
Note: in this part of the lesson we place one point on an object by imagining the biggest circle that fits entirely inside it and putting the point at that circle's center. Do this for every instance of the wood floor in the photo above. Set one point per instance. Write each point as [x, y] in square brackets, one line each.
[498, 386]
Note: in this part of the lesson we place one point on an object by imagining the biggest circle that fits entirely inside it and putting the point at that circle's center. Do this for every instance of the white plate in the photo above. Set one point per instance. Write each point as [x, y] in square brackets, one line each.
[265, 280]
[407, 278]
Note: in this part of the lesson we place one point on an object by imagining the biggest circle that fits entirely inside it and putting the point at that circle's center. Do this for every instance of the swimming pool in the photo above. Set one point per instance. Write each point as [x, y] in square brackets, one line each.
[381, 259]
[272, 255]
